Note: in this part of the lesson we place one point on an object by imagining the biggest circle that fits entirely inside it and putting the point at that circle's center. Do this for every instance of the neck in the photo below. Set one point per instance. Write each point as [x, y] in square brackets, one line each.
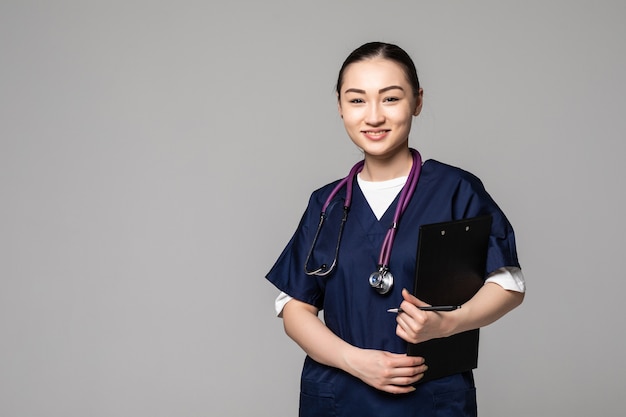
[387, 168]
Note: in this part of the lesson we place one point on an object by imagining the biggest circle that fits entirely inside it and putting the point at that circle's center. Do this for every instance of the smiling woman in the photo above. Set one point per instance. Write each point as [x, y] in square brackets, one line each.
[377, 106]
[357, 355]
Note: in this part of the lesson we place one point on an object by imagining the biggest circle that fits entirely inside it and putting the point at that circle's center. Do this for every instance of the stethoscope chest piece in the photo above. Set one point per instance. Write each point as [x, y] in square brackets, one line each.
[381, 281]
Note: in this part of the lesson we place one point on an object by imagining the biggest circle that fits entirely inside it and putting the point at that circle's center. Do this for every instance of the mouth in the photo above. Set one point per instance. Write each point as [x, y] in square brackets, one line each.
[376, 133]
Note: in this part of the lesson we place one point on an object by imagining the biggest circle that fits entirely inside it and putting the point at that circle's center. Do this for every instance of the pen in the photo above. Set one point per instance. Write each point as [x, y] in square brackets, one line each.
[428, 308]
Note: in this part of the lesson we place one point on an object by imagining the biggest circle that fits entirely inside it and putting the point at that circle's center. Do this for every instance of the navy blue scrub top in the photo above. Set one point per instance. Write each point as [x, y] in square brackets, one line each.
[357, 313]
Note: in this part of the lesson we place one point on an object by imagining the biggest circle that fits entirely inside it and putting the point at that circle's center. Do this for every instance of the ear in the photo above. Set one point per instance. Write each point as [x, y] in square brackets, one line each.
[418, 102]
[339, 106]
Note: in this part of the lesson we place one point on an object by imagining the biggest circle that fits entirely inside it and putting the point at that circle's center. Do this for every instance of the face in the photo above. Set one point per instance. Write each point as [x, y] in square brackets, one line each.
[377, 106]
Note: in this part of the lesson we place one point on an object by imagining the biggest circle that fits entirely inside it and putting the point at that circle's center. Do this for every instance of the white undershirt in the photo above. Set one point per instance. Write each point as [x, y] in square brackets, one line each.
[379, 196]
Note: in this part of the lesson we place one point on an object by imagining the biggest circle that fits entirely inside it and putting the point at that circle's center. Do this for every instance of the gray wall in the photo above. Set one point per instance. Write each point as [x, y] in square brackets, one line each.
[156, 156]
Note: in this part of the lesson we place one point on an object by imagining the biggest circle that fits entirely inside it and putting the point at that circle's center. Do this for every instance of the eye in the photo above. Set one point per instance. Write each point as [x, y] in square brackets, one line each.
[356, 101]
[391, 99]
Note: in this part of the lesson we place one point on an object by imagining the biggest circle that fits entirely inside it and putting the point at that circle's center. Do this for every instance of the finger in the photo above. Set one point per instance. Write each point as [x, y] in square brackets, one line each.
[398, 389]
[406, 365]
[409, 376]
[403, 326]
[407, 332]
[410, 298]
[406, 380]
[413, 320]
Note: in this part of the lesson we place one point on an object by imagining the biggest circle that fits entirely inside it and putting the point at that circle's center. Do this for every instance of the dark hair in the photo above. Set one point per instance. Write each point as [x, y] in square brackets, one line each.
[382, 50]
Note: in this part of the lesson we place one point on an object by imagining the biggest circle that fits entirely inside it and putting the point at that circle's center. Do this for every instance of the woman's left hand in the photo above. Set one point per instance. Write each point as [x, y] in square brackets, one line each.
[489, 304]
[415, 325]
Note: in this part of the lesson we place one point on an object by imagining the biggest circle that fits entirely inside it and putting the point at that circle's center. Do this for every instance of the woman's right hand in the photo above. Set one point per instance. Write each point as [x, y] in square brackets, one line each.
[390, 372]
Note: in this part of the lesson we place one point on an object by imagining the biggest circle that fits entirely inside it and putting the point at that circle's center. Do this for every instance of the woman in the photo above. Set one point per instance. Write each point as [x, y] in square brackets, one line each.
[356, 362]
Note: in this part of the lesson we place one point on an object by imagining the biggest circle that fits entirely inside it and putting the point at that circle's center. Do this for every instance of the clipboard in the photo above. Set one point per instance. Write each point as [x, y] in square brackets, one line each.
[450, 269]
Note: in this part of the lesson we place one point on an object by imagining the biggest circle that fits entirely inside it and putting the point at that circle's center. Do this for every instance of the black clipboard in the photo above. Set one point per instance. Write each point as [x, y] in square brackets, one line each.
[450, 269]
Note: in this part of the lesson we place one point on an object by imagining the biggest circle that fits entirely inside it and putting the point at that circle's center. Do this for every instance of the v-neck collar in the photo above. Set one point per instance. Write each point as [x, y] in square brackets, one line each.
[361, 211]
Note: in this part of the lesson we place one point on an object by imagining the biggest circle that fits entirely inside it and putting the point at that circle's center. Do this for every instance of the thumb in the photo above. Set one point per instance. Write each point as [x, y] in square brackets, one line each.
[410, 298]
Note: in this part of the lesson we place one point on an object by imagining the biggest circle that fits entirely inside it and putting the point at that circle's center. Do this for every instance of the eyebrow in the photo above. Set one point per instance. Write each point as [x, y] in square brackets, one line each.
[382, 90]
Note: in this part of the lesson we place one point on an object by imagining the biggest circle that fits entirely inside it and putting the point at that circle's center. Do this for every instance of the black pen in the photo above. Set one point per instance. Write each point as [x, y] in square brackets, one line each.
[428, 308]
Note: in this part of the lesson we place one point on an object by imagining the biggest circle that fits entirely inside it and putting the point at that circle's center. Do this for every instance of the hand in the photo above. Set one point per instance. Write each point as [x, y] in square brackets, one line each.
[390, 372]
[415, 325]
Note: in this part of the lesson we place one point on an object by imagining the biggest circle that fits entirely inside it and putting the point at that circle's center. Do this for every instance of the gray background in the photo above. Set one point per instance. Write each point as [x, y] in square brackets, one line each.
[155, 157]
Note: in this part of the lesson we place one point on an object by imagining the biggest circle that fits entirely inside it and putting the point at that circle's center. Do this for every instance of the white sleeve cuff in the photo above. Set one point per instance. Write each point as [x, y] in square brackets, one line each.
[280, 302]
[509, 278]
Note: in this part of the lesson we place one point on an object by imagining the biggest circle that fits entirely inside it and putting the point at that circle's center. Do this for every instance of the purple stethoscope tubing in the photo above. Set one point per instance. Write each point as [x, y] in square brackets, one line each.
[381, 280]
[403, 201]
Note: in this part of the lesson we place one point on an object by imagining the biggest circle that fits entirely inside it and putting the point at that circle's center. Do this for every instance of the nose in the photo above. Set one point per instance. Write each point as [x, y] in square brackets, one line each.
[374, 115]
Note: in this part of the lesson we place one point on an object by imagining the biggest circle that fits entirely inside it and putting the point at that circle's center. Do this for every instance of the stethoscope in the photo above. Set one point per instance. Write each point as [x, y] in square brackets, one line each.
[381, 279]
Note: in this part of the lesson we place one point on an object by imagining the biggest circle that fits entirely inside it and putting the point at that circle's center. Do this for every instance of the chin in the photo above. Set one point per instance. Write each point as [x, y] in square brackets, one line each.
[382, 149]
